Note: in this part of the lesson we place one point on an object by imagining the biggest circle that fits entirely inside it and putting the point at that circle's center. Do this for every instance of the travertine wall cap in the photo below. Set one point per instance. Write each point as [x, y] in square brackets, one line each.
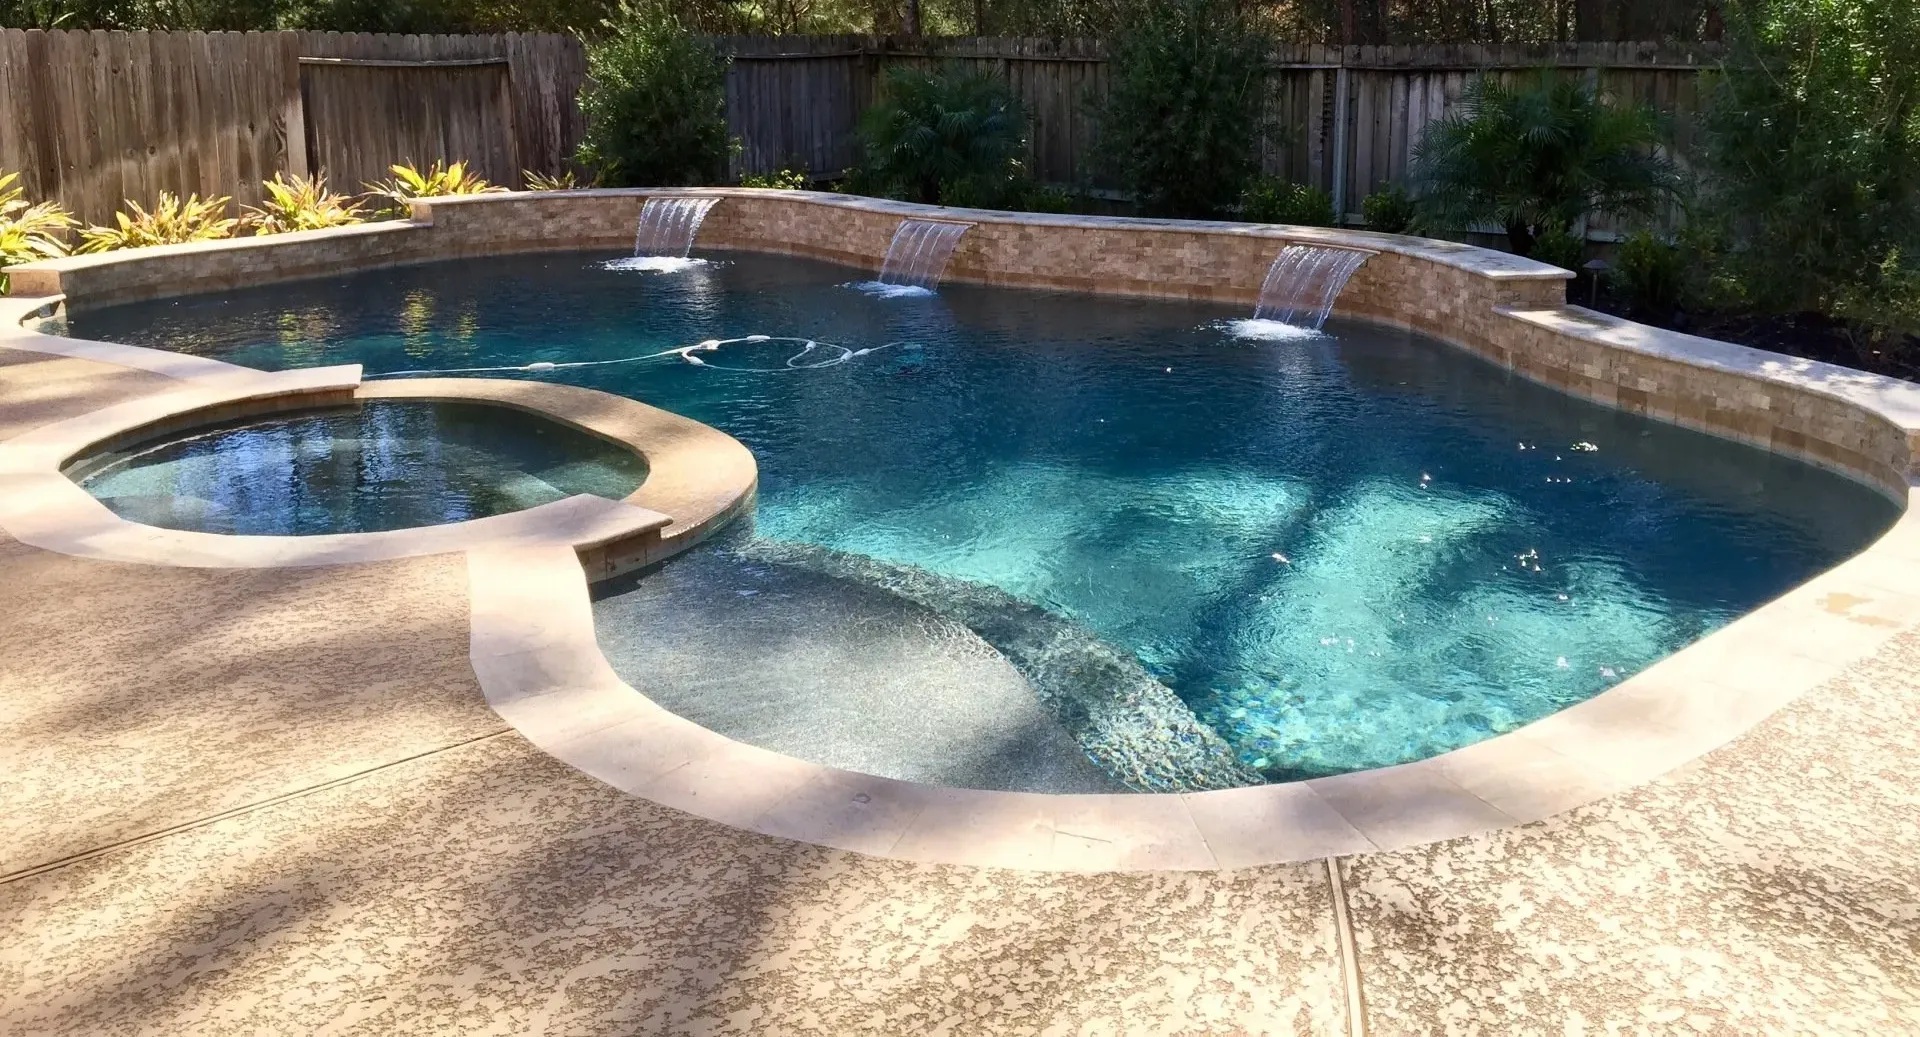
[43, 277]
[1485, 262]
[1892, 398]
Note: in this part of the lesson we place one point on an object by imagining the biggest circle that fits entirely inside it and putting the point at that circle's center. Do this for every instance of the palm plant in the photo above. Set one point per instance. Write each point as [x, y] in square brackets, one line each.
[947, 136]
[436, 181]
[1534, 160]
[173, 221]
[300, 203]
[28, 232]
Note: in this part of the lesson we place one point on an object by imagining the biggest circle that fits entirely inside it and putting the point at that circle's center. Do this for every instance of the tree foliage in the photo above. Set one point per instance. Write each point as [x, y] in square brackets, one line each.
[1315, 21]
[655, 104]
[1813, 157]
[1183, 119]
[1534, 159]
[951, 136]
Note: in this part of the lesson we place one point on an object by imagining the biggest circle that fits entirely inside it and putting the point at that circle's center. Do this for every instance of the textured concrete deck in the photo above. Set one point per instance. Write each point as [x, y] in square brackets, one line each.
[276, 802]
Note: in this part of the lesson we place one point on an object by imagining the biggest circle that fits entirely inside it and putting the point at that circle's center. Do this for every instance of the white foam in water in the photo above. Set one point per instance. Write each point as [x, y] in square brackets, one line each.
[883, 290]
[654, 264]
[1259, 329]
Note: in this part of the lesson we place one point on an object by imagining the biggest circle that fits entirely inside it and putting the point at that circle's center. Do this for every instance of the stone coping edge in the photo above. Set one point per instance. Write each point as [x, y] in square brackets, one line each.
[540, 667]
[1473, 259]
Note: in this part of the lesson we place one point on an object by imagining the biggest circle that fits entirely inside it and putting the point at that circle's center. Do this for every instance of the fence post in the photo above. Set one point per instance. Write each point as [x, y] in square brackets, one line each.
[293, 105]
[1341, 89]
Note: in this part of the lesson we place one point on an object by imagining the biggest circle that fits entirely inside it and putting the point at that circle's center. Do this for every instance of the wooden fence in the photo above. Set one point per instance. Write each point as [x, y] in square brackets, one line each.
[91, 118]
[1344, 119]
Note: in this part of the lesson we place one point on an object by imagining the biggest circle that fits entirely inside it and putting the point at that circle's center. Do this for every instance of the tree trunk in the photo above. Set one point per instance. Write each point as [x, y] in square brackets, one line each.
[912, 25]
[1589, 20]
[1347, 26]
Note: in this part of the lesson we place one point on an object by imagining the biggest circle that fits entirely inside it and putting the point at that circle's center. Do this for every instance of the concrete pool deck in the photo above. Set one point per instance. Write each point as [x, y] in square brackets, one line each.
[272, 799]
[275, 801]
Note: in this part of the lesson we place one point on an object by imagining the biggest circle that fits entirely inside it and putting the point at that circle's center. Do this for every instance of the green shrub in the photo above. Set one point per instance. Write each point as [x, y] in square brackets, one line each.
[654, 103]
[1886, 302]
[1274, 199]
[173, 221]
[1812, 154]
[779, 179]
[1034, 196]
[1650, 277]
[1535, 159]
[28, 232]
[1388, 211]
[949, 137]
[1561, 247]
[1181, 125]
[299, 203]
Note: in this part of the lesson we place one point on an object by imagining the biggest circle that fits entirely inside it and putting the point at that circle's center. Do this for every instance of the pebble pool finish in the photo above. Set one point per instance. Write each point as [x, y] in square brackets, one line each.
[1338, 551]
[378, 465]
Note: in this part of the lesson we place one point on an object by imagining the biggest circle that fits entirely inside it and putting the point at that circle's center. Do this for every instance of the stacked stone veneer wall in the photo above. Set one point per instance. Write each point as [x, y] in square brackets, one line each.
[1511, 311]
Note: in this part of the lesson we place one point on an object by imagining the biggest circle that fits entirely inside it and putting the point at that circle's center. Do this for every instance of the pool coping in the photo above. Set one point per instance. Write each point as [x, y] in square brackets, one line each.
[549, 679]
[534, 651]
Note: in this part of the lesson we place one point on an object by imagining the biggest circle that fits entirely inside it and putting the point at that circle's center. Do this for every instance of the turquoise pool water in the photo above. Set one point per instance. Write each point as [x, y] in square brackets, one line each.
[1339, 551]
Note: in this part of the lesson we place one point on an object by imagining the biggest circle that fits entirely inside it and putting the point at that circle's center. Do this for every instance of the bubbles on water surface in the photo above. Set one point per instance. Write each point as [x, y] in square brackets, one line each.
[1256, 329]
[653, 264]
[884, 290]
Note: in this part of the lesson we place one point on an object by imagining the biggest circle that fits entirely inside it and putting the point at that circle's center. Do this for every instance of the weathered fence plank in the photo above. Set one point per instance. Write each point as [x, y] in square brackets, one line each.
[91, 118]
[95, 118]
[1347, 144]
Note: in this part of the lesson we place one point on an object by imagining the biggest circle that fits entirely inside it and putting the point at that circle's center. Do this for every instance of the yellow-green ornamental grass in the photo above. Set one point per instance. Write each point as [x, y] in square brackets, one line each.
[437, 181]
[301, 203]
[173, 221]
[292, 203]
[28, 231]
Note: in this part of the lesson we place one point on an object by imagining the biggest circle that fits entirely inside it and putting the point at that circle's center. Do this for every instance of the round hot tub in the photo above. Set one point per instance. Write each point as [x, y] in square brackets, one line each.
[380, 464]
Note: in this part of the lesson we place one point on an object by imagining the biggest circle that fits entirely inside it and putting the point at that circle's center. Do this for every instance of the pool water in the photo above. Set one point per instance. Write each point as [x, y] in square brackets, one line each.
[383, 464]
[1340, 551]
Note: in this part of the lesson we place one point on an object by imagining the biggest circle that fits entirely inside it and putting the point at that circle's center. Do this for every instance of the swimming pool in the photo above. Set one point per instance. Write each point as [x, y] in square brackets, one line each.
[1338, 552]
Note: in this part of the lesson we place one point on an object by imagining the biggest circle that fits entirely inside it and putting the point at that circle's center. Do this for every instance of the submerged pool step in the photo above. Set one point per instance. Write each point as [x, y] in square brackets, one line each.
[837, 672]
[1132, 725]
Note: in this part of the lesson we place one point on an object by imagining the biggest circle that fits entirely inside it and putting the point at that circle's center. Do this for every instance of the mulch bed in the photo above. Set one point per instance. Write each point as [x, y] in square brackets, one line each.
[1810, 335]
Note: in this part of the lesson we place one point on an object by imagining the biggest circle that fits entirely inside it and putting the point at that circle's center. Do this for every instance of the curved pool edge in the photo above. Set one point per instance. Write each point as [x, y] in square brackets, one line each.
[698, 479]
[540, 668]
